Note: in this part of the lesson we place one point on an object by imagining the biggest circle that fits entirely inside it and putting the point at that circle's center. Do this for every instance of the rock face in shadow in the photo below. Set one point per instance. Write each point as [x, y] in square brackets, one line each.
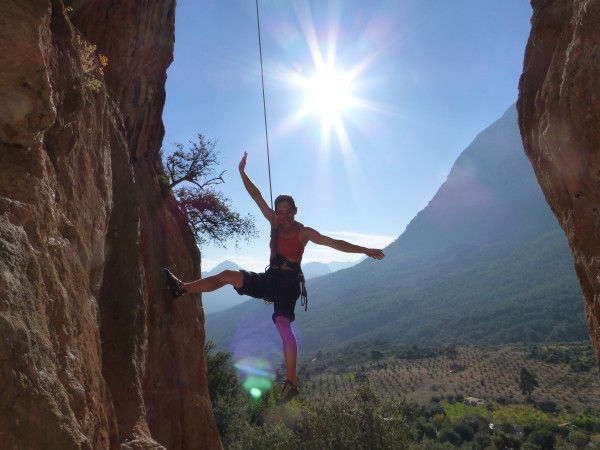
[559, 119]
[94, 353]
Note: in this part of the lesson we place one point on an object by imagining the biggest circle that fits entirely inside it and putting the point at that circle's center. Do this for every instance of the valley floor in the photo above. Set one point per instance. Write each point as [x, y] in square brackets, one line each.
[489, 374]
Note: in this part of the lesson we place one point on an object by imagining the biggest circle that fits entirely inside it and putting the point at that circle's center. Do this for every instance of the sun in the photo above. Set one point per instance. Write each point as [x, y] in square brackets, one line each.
[328, 93]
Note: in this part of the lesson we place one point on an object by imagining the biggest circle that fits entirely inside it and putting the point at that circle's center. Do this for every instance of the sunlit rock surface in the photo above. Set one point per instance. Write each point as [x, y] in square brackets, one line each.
[94, 354]
[559, 118]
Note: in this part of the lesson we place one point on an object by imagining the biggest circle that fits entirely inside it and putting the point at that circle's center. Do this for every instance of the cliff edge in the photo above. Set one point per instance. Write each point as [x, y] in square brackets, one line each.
[94, 353]
[559, 119]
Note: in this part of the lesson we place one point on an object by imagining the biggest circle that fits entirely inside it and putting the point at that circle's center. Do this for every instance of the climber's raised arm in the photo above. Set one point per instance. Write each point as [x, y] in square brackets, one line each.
[254, 192]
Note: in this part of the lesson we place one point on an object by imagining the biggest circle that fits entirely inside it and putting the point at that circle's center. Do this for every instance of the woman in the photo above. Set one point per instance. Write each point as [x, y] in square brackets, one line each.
[283, 282]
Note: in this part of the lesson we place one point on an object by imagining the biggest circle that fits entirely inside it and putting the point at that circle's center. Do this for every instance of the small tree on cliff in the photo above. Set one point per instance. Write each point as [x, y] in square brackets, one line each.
[192, 177]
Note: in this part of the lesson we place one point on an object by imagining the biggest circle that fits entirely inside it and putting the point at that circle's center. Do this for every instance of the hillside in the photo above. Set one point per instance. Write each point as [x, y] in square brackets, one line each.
[489, 373]
[483, 263]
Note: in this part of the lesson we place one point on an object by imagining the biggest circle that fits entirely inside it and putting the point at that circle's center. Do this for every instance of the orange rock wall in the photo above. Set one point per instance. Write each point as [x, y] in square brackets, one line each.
[94, 353]
[559, 118]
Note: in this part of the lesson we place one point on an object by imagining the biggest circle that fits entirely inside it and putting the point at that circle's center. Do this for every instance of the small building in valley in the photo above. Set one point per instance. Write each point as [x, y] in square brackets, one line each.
[473, 401]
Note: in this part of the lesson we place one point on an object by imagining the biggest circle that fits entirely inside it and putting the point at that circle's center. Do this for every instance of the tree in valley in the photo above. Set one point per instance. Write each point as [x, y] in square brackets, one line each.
[192, 177]
[527, 382]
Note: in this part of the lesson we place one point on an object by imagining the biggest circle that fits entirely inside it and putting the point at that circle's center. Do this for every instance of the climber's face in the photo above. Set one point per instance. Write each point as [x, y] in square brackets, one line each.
[285, 213]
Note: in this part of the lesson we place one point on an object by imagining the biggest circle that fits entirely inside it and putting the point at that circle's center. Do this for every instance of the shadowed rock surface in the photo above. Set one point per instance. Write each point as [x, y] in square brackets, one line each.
[94, 353]
[559, 119]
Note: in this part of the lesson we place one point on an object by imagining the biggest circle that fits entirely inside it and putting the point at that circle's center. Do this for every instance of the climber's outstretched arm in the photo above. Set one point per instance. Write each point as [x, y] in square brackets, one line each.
[341, 245]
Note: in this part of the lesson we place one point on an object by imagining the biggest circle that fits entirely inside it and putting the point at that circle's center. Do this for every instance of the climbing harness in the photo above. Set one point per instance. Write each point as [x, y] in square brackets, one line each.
[282, 263]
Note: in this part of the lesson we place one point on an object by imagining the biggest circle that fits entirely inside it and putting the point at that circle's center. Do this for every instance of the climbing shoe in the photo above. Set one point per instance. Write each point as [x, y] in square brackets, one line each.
[288, 392]
[173, 284]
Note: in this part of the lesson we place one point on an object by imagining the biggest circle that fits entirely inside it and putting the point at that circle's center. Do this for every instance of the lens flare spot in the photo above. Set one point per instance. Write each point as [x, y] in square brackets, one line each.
[256, 374]
[256, 383]
[255, 393]
[254, 366]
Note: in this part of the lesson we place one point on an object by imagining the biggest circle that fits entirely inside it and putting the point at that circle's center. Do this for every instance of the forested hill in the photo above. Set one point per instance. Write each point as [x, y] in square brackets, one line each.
[483, 263]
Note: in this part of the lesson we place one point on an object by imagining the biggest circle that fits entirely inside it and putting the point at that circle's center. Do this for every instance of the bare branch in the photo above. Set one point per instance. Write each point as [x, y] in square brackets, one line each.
[209, 214]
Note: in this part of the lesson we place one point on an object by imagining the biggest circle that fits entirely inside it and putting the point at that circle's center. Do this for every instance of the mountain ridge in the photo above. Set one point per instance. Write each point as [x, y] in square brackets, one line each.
[484, 262]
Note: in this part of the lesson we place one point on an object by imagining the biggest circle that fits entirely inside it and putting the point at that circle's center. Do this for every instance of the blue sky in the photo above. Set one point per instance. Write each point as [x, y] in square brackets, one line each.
[414, 82]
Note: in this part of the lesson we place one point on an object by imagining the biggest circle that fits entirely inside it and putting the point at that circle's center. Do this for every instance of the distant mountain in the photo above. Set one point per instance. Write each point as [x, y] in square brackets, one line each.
[317, 269]
[485, 262]
[225, 298]
[339, 265]
[225, 265]
[221, 299]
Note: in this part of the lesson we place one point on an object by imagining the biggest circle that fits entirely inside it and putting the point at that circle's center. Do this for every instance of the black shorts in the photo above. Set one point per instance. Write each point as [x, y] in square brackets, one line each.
[279, 286]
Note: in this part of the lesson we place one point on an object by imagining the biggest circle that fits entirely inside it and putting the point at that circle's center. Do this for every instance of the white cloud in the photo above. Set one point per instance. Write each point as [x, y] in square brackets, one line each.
[365, 240]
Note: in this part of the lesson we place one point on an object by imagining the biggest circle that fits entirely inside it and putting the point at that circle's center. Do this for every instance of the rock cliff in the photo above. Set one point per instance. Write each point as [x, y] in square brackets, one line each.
[559, 118]
[94, 353]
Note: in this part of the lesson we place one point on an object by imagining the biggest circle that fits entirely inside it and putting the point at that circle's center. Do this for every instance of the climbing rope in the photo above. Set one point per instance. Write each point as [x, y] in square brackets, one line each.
[274, 237]
[264, 103]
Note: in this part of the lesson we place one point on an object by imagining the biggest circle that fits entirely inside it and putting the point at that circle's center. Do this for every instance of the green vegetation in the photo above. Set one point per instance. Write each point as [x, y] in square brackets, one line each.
[92, 64]
[337, 411]
[226, 396]
[191, 175]
[580, 359]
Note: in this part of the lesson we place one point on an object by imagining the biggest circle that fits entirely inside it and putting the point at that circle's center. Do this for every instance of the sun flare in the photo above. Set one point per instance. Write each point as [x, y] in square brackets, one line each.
[328, 90]
[328, 93]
